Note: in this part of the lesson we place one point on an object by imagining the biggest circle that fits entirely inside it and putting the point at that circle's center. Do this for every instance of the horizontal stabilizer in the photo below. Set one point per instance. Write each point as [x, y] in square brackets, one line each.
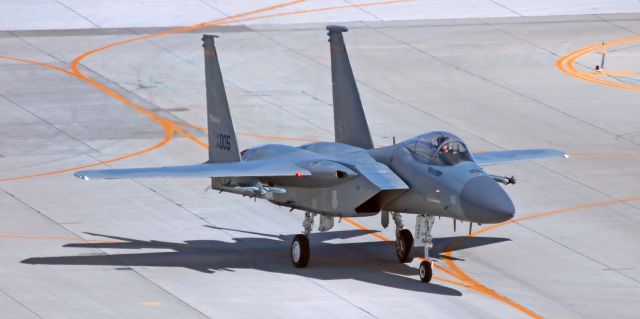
[257, 168]
[499, 157]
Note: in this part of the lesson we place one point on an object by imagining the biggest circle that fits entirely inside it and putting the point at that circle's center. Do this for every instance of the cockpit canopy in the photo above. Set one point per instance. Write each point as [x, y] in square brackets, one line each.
[438, 148]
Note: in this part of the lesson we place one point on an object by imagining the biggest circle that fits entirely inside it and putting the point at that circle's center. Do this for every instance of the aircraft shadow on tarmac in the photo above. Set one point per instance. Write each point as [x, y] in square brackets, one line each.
[372, 262]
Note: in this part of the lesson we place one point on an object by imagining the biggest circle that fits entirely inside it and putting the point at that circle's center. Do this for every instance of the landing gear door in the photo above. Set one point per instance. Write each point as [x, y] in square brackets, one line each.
[421, 231]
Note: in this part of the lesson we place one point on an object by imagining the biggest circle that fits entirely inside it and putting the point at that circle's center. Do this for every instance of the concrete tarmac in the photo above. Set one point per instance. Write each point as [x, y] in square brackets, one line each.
[168, 248]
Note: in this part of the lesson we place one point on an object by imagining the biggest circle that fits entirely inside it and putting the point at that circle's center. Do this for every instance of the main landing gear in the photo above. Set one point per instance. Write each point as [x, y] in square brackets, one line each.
[300, 251]
[404, 240]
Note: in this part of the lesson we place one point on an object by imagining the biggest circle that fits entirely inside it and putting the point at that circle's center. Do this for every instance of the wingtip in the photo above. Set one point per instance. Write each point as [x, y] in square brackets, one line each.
[81, 176]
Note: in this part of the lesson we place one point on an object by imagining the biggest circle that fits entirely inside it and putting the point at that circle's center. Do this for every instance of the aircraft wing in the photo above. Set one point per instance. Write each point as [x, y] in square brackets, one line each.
[255, 168]
[499, 157]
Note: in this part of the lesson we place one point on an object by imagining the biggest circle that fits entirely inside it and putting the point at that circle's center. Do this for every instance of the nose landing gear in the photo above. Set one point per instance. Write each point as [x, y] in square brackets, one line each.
[424, 225]
[425, 271]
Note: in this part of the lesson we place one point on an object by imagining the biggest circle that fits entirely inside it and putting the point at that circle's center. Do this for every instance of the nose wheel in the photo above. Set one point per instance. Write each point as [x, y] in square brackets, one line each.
[424, 225]
[425, 271]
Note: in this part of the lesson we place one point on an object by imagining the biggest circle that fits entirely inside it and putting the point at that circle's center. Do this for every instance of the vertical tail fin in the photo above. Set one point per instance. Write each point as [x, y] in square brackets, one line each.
[349, 120]
[223, 145]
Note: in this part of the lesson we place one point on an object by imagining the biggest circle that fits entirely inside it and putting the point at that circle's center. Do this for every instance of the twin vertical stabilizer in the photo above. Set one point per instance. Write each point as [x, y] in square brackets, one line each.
[349, 120]
[223, 144]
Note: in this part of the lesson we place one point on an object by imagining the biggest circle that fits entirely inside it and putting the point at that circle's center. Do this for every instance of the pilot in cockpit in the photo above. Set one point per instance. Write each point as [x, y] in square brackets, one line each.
[441, 140]
[443, 154]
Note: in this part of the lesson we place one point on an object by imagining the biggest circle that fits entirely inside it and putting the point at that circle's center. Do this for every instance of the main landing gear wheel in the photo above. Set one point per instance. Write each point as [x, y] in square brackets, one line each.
[425, 271]
[404, 243]
[300, 251]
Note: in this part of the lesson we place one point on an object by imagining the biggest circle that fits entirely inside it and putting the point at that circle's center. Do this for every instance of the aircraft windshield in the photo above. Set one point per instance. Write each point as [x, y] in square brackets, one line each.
[438, 148]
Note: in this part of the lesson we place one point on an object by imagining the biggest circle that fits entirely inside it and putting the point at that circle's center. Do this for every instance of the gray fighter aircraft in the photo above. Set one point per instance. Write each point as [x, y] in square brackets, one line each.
[432, 174]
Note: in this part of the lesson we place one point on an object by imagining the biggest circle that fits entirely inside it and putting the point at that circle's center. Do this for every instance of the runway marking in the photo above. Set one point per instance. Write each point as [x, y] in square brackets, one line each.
[456, 272]
[475, 285]
[604, 154]
[170, 125]
[150, 303]
[167, 124]
[168, 136]
[566, 65]
[248, 134]
[620, 73]
[471, 283]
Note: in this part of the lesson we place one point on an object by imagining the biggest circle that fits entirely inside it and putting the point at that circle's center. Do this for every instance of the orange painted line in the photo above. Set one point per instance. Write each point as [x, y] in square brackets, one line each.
[79, 58]
[613, 73]
[150, 303]
[234, 19]
[346, 6]
[556, 212]
[167, 137]
[72, 169]
[259, 136]
[478, 287]
[445, 270]
[42, 64]
[604, 154]
[459, 274]
[169, 127]
[391, 242]
[491, 293]
[566, 65]
[192, 138]
[362, 227]
[449, 281]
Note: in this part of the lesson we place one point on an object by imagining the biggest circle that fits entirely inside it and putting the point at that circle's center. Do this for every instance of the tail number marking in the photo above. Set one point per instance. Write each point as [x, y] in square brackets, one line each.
[223, 142]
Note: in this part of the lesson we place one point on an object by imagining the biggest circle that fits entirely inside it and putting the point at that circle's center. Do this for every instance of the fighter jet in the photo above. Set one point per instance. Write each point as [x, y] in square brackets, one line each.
[431, 174]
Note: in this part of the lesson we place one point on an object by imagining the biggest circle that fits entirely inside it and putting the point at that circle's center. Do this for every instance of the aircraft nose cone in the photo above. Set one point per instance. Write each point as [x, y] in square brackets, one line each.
[484, 201]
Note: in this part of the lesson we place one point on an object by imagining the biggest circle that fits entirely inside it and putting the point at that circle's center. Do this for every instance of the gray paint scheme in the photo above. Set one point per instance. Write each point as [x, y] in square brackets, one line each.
[350, 178]
[350, 123]
[234, 169]
[222, 137]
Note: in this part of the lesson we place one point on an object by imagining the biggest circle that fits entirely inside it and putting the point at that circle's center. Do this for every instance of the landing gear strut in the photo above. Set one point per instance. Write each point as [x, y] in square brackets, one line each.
[300, 251]
[404, 240]
[424, 225]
